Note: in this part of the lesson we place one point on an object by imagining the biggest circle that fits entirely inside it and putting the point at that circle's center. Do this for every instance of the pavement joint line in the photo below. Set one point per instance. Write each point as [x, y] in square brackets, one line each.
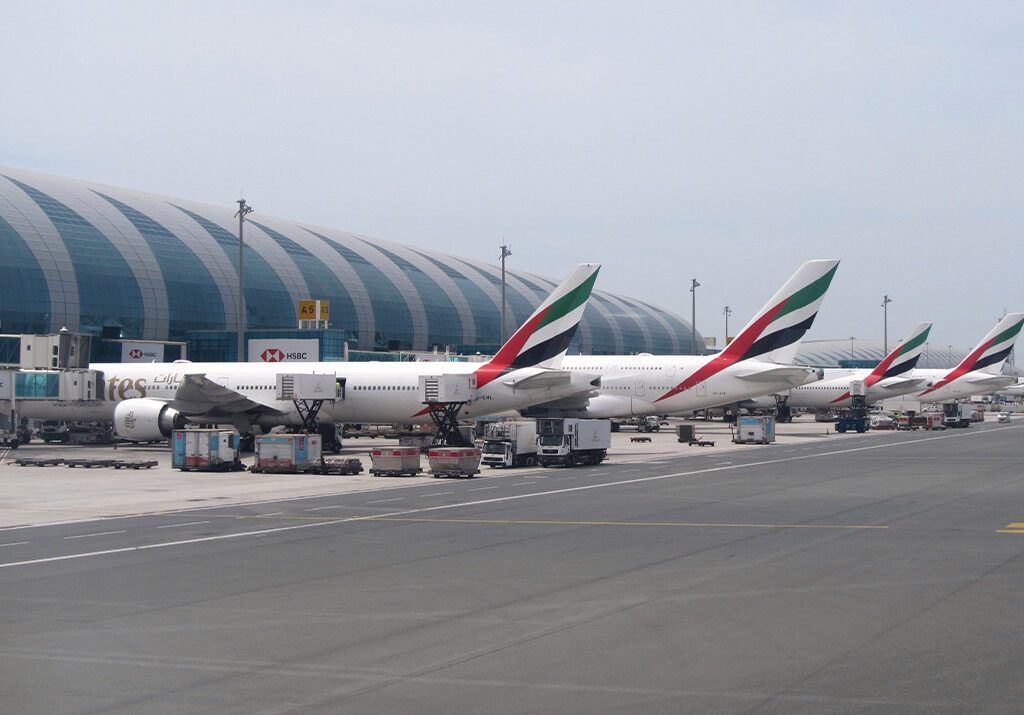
[293, 527]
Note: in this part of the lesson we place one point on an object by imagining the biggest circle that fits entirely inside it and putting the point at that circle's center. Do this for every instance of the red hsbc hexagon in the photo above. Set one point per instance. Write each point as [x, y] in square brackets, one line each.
[135, 353]
[272, 355]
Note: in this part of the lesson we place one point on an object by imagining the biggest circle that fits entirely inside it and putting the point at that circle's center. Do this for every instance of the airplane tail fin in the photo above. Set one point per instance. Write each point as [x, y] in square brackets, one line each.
[544, 338]
[903, 357]
[989, 354]
[777, 329]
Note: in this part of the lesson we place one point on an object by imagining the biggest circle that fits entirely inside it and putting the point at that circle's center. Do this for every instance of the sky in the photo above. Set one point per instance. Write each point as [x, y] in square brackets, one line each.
[722, 141]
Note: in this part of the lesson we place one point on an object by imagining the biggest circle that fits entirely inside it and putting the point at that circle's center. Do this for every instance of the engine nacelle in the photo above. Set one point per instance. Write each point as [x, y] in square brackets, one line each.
[144, 419]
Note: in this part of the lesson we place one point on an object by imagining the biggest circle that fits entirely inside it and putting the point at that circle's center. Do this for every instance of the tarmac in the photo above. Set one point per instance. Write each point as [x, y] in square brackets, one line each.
[33, 495]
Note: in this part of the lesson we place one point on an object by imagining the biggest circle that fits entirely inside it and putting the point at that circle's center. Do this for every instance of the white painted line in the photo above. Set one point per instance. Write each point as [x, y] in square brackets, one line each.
[98, 533]
[330, 506]
[14, 543]
[723, 462]
[480, 489]
[187, 523]
[496, 500]
[273, 513]
[424, 496]
[381, 501]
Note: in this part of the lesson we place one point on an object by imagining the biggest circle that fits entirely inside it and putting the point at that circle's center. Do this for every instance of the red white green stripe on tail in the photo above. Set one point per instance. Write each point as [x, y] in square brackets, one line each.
[989, 354]
[901, 359]
[775, 332]
[545, 336]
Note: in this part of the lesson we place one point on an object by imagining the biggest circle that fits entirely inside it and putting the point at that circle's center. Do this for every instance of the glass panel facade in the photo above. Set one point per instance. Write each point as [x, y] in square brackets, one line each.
[268, 304]
[192, 297]
[21, 284]
[107, 291]
[60, 266]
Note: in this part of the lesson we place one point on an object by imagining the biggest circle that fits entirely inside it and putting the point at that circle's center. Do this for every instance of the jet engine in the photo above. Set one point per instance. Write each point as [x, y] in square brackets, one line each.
[144, 419]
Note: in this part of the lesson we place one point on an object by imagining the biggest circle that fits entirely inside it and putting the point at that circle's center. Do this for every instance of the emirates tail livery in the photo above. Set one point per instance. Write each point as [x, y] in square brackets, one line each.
[148, 400]
[891, 378]
[980, 372]
[756, 362]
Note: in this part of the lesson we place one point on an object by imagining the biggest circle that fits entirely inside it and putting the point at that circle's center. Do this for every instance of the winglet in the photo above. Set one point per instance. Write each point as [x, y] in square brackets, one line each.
[544, 338]
[989, 354]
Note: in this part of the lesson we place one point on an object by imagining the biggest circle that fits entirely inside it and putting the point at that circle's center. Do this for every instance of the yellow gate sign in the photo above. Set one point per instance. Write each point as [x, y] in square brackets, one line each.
[314, 310]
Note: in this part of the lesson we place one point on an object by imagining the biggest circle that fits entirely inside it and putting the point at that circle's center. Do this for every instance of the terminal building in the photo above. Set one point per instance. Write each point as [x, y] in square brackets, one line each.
[136, 269]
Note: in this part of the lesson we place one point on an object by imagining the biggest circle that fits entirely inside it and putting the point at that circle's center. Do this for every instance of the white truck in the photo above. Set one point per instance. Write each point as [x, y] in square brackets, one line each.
[570, 441]
[510, 444]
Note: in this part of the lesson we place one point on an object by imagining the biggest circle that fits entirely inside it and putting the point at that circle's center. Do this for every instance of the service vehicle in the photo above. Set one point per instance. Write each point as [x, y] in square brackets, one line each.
[569, 441]
[510, 444]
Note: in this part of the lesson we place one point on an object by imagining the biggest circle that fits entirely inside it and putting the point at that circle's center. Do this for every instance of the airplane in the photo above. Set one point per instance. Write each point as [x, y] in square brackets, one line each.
[889, 379]
[978, 373]
[147, 401]
[756, 362]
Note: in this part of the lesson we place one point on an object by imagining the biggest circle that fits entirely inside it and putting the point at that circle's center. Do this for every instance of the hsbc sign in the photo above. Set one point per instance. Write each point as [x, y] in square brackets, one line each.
[142, 352]
[284, 350]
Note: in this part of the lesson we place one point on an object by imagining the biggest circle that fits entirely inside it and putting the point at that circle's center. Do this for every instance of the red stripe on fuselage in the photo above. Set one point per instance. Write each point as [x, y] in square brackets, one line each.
[731, 355]
[962, 369]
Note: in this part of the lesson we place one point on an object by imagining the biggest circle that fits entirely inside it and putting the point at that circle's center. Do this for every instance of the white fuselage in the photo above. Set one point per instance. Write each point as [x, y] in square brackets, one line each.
[834, 391]
[375, 392]
[637, 385]
[970, 383]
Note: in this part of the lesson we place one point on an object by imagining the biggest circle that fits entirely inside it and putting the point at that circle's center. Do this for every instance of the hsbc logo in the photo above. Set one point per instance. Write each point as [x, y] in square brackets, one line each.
[135, 354]
[283, 350]
[276, 355]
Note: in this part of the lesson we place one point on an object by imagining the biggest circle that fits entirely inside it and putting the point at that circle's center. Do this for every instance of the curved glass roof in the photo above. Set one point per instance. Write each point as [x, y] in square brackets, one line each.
[86, 256]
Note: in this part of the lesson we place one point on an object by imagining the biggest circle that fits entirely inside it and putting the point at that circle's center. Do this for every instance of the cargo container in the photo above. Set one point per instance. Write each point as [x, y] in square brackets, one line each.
[395, 461]
[205, 450]
[754, 430]
[291, 453]
[454, 461]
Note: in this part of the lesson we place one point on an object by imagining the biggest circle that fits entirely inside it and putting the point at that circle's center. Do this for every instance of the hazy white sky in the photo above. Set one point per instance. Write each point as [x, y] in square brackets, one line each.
[729, 141]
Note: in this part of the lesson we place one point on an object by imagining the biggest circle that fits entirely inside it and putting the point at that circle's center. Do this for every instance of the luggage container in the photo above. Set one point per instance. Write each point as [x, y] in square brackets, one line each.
[395, 461]
[205, 450]
[454, 461]
[754, 430]
[290, 453]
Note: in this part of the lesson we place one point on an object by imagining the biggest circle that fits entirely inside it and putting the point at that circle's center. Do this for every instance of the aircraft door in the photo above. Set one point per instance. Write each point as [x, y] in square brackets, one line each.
[702, 389]
[639, 388]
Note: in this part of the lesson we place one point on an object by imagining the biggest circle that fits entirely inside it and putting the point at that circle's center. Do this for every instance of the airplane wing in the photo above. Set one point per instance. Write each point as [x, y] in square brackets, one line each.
[904, 384]
[546, 379]
[793, 374]
[200, 396]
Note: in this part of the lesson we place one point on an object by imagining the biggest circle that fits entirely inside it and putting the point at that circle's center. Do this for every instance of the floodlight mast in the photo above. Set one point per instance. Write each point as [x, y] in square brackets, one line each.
[243, 209]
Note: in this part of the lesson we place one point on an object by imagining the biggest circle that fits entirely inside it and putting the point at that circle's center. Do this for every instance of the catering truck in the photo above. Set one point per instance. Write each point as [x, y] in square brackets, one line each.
[569, 441]
[510, 444]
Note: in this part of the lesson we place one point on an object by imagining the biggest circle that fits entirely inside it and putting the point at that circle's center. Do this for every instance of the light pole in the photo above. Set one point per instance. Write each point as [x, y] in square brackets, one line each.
[885, 324]
[505, 253]
[727, 311]
[693, 315]
[243, 209]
